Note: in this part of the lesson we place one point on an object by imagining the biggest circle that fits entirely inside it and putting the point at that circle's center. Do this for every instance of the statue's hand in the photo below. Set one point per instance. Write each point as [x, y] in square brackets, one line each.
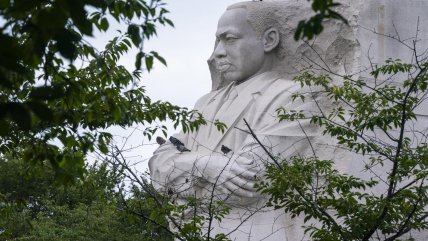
[229, 175]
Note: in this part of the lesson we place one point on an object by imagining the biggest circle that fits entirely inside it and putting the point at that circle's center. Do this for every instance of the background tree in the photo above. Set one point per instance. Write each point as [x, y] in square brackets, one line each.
[58, 92]
[36, 207]
[377, 122]
[163, 213]
[58, 95]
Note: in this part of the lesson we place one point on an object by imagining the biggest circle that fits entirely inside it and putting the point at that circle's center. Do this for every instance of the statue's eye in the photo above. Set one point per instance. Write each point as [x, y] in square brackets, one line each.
[230, 37]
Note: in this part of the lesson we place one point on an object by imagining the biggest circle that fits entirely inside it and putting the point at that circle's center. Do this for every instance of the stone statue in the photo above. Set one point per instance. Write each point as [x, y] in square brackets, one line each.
[253, 62]
[247, 90]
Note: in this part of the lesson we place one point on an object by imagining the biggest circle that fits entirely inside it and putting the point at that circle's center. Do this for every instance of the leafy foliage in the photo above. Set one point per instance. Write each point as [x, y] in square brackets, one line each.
[168, 214]
[323, 9]
[373, 120]
[34, 207]
[58, 92]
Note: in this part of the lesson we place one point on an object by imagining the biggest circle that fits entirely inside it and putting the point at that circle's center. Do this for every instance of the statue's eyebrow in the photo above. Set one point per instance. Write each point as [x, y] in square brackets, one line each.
[221, 35]
[224, 33]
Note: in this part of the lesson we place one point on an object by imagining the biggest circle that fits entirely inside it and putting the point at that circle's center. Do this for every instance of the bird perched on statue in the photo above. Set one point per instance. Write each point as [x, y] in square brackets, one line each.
[225, 149]
[160, 140]
[182, 148]
[178, 144]
[175, 141]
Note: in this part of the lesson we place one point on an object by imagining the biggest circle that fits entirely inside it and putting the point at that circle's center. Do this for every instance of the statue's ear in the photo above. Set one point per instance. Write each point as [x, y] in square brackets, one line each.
[270, 39]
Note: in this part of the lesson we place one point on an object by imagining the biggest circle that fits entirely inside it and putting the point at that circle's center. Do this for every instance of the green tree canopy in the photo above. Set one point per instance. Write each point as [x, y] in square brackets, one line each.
[58, 92]
[35, 207]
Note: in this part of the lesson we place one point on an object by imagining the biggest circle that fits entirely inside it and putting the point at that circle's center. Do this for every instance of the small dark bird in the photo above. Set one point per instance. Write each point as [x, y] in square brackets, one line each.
[182, 148]
[170, 191]
[225, 149]
[175, 141]
[160, 140]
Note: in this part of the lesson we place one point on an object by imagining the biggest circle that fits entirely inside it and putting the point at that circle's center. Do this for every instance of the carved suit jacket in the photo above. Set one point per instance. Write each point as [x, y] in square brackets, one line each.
[257, 101]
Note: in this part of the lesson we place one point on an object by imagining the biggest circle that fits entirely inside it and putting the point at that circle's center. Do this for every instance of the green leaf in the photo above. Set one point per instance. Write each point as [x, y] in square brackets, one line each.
[5, 127]
[170, 23]
[46, 93]
[102, 145]
[66, 41]
[153, 12]
[149, 62]
[158, 57]
[134, 34]
[19, 114]
[4, 4]
[41, 110]
[104, 24]
[78, 14]
[138, 59]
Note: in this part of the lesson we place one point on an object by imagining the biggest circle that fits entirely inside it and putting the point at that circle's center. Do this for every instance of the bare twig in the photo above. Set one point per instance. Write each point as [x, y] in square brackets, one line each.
[261, 145]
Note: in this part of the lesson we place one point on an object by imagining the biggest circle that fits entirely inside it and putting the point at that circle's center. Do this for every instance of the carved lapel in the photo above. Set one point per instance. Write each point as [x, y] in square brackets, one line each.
[247, 95]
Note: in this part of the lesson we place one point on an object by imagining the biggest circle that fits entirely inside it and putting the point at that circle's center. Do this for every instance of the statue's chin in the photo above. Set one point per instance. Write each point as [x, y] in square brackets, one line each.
[234, 76]
[220, 79]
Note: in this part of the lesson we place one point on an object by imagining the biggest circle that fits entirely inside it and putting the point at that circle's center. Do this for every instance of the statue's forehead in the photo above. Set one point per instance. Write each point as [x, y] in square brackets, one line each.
[233, 20]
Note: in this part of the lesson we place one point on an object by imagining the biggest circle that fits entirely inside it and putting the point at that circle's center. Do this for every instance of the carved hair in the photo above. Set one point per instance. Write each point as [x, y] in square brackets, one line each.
[337, 47]
[264, 15]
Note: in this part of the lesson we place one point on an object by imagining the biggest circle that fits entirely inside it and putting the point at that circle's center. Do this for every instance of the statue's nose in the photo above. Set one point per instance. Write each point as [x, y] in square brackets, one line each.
[219, 50]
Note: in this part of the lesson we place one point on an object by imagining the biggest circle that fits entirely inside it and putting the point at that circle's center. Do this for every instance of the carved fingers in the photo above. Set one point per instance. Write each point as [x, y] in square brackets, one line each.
[230, 176]
[241, 179]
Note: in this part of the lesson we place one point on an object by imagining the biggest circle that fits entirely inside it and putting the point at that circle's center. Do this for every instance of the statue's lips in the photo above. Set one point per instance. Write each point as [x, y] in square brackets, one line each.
[223, 66]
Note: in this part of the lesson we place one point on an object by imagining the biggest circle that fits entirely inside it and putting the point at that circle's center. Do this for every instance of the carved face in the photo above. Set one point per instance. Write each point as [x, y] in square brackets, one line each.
[238, 52]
